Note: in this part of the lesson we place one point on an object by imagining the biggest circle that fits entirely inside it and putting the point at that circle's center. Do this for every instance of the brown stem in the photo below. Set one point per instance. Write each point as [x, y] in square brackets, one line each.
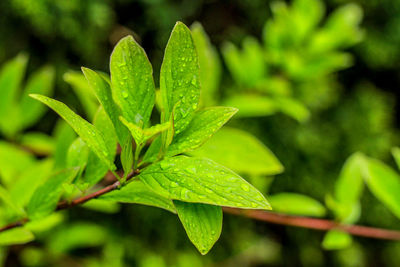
[271, 217]
[317, 224]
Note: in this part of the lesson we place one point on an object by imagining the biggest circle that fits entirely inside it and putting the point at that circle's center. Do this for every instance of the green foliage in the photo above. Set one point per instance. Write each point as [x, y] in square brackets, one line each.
[18, 111]
[296, 204]
[193, 187]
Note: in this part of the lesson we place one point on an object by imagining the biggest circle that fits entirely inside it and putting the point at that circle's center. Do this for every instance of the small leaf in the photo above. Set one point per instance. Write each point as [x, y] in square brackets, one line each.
[203, 125]
[29, 180]
[384, 183]
[101, 205]
[6, 198]
[241, 152]
[137, 192]
[11, 75]
[201, 180]
[179, 78]
[44, 199]
[396, 155]
[64, 136]
[252, 105]
[210, 65]
[92, 137]
[16, 236]
[296, 204]
[153, 151]
[202, 222]
[127, 155]
[39, 142]
[348, 187]
[336, 239]
[13, 161]
[132, 81]
[84, 92]
[77, 155]
[41, 82]
[103, 92]
[95, 167]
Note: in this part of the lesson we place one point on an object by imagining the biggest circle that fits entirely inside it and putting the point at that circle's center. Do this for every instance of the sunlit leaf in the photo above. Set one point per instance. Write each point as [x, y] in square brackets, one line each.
[296, 204]
[336, 239]
[16, 236]
[203, 181]
[137, 192]
[44, 199]
[203, 125]
[241, 152]
[89, 133]
[179, 78]
[202, 222]
[132, 81]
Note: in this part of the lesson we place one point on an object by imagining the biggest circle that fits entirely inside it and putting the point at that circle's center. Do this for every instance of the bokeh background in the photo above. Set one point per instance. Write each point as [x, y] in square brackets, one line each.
[349, 102]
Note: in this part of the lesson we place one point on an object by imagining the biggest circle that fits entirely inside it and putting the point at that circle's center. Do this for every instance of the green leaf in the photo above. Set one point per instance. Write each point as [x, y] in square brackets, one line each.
[127, 155]
[252, 105]
[179, 78]
[29, 180]
[153, 151]
[349, 186]
[201, 180]
[202, 222]
[103, 92]
[384, 183]
[6, 198]
[296, 204]
[11, 75]
[132, 81]
[89, 133]
[44, 199]
[16, 236]
[396, 156]
[13, 161]
[77, 155]
[95, 167]
[41, 143]
[41, 82]
[210, 65]
[64, 136]
[203, 125]
[83, 91]
[241, 152]
[101, 205]
[292, 108]
[137, 192]
[336, 239]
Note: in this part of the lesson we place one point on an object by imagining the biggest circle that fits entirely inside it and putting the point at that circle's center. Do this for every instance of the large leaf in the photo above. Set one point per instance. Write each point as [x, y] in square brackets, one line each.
[203, 125]
[16, 236]
[44, 199]
[241, 152]
[41, 143]
[210, 65]
[11, 75]
[384, 183]
[297, 204]
[179, 78]
[132, 81]
[201, 180]
[104, 95]
[202, 222]
[89, 133]
[41, 82]
[137, 192]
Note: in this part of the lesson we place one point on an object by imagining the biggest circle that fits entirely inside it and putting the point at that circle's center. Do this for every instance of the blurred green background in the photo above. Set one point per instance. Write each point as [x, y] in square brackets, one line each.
[345, 100]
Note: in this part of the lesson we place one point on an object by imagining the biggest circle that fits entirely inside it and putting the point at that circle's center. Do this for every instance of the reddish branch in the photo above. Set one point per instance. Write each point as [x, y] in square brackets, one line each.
[270, 217]
[317, 224]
